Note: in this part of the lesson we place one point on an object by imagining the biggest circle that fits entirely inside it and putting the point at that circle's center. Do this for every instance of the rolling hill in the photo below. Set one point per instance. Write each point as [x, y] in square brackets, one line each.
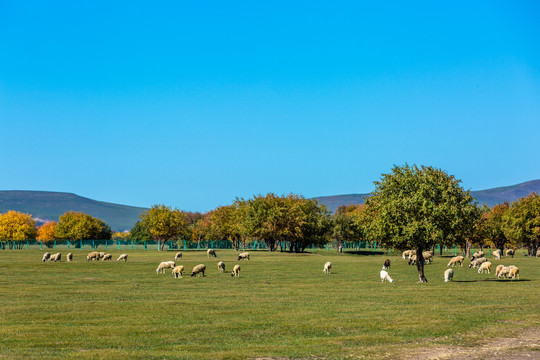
[489, 197]
[45, 205]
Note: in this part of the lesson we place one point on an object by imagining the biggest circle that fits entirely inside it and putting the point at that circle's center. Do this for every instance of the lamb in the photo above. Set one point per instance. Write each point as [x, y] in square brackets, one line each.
[178, 271]
[485, 266]
[514, 271]
[56, 257]
[477, 255]
[449, 275]
[510, 252]
[498, 270]
[385, 276]
[221, 266]
[236, 271]
[211, 253]
[198, 269]
[178, 256]
[497, 254]
[107, 257]
[327, 267]
[165, 265]
[122, 257]
[46, 257]
[456, 260]
[477, 262]
[386, 264]
[69, 257]
[244, 255]
[94, 255]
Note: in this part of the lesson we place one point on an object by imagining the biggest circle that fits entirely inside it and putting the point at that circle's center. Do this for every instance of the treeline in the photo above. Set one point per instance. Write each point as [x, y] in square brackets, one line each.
[411, 207]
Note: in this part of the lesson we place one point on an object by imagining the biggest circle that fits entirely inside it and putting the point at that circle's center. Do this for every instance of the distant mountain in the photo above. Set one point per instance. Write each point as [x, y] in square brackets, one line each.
[489, 197]
[45, 206]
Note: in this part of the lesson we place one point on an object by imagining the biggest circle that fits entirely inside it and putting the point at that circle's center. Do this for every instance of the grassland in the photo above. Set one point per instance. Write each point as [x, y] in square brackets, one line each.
[282, 306]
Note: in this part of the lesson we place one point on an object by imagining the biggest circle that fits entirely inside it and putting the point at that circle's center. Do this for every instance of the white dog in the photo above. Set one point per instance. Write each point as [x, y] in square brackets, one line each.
[385, 276]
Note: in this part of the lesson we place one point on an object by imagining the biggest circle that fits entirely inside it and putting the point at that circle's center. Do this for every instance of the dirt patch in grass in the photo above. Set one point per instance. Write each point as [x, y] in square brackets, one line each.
[524, 346]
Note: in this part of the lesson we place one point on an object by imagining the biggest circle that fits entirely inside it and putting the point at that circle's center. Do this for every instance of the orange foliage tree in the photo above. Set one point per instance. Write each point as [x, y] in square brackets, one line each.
[45, 233]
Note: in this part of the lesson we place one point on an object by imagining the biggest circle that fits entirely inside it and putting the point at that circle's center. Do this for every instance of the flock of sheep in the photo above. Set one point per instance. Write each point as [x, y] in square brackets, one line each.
[478, 260]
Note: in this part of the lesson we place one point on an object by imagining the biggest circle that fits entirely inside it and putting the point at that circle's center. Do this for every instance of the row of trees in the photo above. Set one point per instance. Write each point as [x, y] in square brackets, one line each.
[411, 207]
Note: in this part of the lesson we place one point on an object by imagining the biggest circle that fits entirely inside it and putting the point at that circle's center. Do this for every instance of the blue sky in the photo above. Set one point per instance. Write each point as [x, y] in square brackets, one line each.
[192, 103]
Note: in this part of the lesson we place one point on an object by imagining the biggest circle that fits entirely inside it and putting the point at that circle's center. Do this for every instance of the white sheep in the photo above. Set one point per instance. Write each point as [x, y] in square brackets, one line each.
[449, 275]
[485, 266]
[327, 267]
[505, 271]
[94, 255]
[178, 256]
[165, 265]
[107, 257]
[46, 257]
[497, 254]
[244, 255]
[510, 252]
[56, 257]
[385, 276]
[236, 271]
[178, 271]
[198, 269]
[456, 260]
[101, 254]
[69, 257]
[122, 257]
[477, 255]
[211, 253]
[514, 271]
[221, 266]
[498, 270]
[406, 254]
[477, 262]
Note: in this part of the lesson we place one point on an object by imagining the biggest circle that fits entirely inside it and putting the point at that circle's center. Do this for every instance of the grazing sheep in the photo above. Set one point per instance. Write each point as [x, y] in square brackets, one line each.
[477, 255]
[510, 252]
[406, 254]
[221, 266]
[428, 256]
[107, 257]
[485, 266]
[385, 276]
[46, 257]
[211, 253]
[497, 254]
[122, 257]
[101, 254]
[236, 271]
[412, 260]
[56, 257]
[94, 255]
[477, 262]
[165, 265]
[498, 270]
[411, 254]
[505, 271]
[449, 275]
[198, 269]
[327, 267]
[456, 260]
[178, 271]
[386, 264]
[514, 271]
[244, 255]
[69, 257]
[178, 256]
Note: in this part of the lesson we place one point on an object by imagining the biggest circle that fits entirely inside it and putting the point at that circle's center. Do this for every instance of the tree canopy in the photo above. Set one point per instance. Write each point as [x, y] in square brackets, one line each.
[74, 225]
[522, 222]
[164, 223]
[15, 225]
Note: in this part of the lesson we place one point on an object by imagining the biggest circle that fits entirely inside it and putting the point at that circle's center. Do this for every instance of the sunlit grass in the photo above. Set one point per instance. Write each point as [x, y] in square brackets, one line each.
[281, 306]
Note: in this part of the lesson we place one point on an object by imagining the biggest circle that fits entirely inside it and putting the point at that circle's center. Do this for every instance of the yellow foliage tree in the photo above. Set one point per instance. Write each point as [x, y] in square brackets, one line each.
[45, 233]
[15, 225]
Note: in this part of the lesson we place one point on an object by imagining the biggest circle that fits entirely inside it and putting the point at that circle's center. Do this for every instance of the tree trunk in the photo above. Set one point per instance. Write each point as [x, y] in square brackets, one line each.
[440, 250]
[468, 245]
[420, 265]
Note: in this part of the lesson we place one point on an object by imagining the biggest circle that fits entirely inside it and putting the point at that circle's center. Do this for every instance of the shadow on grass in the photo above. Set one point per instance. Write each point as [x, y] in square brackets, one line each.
[496, 280]
[364, 252]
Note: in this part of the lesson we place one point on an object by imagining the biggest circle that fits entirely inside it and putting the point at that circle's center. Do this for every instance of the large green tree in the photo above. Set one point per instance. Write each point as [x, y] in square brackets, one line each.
[346, 224]
[495, 225]
[164, 223]
[522, 222]
[74, 225]
[418, 207]
[229, 223]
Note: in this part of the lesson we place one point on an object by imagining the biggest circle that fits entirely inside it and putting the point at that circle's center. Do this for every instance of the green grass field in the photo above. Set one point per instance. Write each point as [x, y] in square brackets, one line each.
[281, 307]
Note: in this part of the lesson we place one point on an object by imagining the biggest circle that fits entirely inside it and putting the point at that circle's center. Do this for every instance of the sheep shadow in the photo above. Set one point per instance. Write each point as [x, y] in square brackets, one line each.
[496, 280]
[364, 252]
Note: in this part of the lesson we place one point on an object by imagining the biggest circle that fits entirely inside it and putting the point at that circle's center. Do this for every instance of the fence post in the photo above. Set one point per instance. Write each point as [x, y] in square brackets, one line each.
[473, 250]
[212, 244]
[131, 244]
[81, 243]
[27, 246]
[118, 243]
[184, 245]
[489, 251]
[327, 247]
[374, 246]
[68, 244]
[41, 246]
[55, 244]
[145, 245]
[93, 245]
[455, 250]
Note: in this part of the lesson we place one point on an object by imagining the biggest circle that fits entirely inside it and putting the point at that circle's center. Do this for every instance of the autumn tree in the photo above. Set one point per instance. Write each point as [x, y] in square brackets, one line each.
[346, 224]
[164, 223]
[495, 225]
[74, 225]
[45, 233]
[522, 222]
[229, 223]
[418, 207]
[139, 232]
[15, 226]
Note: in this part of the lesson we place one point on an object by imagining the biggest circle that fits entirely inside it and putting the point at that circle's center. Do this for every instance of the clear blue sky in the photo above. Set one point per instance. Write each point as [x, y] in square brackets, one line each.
[192, 103]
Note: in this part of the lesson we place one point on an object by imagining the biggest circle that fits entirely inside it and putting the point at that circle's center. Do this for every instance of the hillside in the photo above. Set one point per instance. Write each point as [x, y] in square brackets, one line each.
[489, 197]
[46, 205]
